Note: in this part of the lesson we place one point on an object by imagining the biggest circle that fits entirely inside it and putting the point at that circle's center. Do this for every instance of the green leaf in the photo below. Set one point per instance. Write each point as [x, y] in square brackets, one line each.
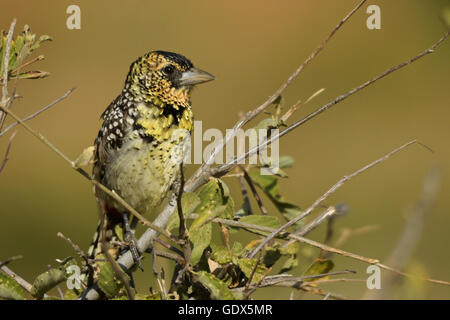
[290, 249]
[268, 123]
[260, 220]
[21, 47]
[70, 295]
[47, 281]
[200, 239]
[214, 194]
[286, 162]
[107, 281]
[246, 265]
[319, 266]
[221, 254]
[217, 288]
[237, 249]
[30, 75]
[271, 256]
[10, 289]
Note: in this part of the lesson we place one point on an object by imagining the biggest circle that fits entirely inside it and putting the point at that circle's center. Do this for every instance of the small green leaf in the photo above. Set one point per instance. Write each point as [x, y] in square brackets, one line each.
[247, 265]
[214, 194]
[290, 249]
[290, 263]
[271, 256]
[268, 123]
[446, 15]
[221, 255]
[85, 157]
[200, 239]
[70, 295]
[319, 266]
[118, 230]
[107, 281]
[10, 289]
[269, 184]
[237, 248]
[47, 281]
[217, 288]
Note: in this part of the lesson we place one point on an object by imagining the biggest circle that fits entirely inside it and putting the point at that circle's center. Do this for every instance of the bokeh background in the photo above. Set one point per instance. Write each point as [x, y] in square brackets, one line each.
[251, 47]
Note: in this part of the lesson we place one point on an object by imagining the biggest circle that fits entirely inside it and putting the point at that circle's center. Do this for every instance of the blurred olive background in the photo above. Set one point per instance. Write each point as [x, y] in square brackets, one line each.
[251, 47]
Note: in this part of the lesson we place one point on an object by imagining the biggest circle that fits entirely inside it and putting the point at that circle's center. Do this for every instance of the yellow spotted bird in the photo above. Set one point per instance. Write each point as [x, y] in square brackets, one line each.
[137, 150]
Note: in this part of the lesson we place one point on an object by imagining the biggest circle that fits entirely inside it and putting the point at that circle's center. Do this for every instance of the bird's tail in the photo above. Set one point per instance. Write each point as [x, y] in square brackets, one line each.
[112, 227]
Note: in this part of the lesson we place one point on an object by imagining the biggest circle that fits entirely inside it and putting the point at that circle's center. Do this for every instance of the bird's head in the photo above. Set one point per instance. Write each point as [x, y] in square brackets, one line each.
[163, 77]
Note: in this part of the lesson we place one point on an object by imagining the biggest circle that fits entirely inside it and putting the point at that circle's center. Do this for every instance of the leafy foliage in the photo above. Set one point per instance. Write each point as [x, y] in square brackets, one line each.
[10, 289]
[21, 48]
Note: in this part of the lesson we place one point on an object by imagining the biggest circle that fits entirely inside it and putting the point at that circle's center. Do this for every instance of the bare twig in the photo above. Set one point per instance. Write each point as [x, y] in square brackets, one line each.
[6, 157]
[252, 114]
[229, 165]
[12, 125]
[26, 64]
[322, 247]
[325, 196]
[328, 214]
[75, 247]
[10, 259]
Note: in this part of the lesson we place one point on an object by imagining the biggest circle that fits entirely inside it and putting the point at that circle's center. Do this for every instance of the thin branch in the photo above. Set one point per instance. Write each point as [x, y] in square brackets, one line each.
[322, 198]
[10, 259]
[6, 62]
[322, 246]
[329, 213]
[75, 247]
[252, 114]
[228, 166]
[38, 112]
[6, 157]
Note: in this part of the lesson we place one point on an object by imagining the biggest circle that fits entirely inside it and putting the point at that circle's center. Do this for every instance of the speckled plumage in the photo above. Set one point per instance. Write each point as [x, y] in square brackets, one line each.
[140, 144]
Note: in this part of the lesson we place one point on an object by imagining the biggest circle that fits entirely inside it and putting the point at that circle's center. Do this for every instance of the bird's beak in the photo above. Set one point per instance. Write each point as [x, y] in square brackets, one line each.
[195, 76]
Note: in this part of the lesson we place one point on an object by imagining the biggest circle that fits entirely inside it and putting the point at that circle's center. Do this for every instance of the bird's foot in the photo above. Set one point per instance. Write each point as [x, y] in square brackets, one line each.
[132, 243]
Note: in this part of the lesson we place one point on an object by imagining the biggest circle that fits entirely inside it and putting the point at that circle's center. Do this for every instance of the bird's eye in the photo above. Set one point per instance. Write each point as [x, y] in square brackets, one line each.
[168, 69]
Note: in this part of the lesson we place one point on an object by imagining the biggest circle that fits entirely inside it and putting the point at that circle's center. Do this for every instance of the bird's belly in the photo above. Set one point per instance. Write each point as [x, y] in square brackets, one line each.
[142, 173]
